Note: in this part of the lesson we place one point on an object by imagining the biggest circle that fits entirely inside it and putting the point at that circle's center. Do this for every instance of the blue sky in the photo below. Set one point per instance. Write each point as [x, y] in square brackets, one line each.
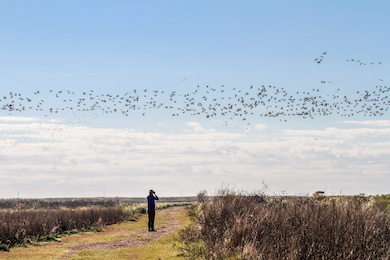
[115, 47]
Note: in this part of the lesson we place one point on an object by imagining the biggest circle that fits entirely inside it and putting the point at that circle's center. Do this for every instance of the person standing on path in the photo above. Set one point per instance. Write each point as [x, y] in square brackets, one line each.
[151, 209]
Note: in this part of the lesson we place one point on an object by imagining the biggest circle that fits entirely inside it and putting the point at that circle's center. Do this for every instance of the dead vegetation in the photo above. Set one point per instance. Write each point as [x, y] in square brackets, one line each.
[33, 221]
[18, 226]
[236, 225]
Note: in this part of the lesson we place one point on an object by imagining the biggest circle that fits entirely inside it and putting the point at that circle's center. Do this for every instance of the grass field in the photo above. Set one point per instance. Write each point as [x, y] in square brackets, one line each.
[34, 221]
[234, 225]
[127, 240]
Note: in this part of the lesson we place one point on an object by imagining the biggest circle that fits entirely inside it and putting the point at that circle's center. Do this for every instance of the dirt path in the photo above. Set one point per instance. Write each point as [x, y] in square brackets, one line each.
[120, 236]
[139, 238]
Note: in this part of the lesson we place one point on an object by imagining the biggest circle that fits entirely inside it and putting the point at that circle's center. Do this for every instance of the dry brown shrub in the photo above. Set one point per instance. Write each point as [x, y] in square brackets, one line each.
[19, 225]
[253, 226]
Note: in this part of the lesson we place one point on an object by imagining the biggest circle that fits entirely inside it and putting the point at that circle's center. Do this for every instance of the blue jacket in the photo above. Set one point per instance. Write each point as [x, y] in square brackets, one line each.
[151, 200]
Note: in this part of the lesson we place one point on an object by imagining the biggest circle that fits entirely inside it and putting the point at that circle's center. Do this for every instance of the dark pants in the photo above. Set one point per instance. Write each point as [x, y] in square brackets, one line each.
[151, 215]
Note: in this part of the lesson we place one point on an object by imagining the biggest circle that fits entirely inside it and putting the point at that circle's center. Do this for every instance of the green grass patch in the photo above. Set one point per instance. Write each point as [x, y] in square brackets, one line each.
[164, 248]
[114, 254]
[159, 249]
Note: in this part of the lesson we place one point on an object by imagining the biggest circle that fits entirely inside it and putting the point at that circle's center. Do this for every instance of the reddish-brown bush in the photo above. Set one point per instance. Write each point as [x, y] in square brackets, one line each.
[18, 225]
[242, 226]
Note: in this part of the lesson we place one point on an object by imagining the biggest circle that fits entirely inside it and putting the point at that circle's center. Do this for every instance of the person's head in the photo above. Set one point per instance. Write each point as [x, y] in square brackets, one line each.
[151, 192]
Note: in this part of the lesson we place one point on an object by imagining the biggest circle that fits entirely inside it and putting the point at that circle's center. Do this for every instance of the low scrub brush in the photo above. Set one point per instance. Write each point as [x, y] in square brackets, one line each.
[254, 226]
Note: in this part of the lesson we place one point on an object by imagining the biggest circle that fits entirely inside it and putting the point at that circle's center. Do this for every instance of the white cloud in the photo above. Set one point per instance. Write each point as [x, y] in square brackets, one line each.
[370, 122]
[129, 161]
[339, 133]
[198, 128]
[260, 127]
[18, 119]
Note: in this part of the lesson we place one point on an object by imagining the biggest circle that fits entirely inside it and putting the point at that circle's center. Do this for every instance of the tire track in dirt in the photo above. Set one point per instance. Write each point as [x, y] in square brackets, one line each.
[139, 237]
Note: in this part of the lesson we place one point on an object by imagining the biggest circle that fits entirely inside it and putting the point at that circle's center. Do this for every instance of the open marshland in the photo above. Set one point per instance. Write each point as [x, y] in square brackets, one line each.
[229, 225]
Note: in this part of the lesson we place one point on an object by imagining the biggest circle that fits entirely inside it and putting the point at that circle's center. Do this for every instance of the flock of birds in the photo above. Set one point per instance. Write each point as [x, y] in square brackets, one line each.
[222, 102]
[266, 101]
[318, 60]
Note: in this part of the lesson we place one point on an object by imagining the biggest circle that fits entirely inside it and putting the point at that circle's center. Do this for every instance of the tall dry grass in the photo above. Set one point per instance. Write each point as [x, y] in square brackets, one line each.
[35, 220]
[20, 225]
[55, 203]
[235, 225]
